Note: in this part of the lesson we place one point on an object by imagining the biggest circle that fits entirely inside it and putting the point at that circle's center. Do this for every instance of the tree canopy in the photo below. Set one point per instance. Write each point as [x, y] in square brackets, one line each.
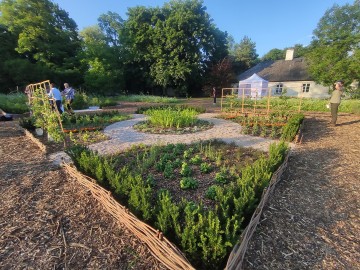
[175, 43]
[335, 50]
[244, 54]
[44, 34]
[176, 46]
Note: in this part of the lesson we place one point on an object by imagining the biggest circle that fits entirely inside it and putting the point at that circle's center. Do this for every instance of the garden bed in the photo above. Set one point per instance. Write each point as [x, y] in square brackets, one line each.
[183, 191]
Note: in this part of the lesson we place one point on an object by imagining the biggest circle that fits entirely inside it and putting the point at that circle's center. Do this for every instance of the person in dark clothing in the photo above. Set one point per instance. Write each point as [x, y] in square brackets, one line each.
[214, 94]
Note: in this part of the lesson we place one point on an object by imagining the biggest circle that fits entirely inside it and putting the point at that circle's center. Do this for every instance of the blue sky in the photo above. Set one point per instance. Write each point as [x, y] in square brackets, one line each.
[270, 24]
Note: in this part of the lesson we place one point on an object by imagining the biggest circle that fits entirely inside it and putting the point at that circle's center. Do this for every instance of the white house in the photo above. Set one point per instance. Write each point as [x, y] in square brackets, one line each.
[289, 75]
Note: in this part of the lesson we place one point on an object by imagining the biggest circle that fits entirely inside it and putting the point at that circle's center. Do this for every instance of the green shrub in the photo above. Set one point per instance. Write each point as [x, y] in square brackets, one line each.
[15, 103]
[169, 170]
[185, 169]
[188, 183]
[27, 122]
[222, 177]
[211, 192]
[205, 167]
[167, 217]
[196, 160]
[140, 197]
[291, 128]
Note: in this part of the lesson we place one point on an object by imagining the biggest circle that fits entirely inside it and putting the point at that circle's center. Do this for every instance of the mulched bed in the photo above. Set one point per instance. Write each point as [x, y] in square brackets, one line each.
[311, 222]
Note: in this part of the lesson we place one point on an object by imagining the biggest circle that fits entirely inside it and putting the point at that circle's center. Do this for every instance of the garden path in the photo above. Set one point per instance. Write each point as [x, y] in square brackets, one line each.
[312, 220]
[123, 135]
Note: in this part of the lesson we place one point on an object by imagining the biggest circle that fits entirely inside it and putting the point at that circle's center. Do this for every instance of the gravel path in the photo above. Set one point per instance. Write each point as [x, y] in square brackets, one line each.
[123, 135]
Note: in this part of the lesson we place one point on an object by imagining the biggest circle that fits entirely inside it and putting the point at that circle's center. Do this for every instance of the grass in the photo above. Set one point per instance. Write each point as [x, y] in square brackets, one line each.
[145, 98]
[292, 104]
[16, 103]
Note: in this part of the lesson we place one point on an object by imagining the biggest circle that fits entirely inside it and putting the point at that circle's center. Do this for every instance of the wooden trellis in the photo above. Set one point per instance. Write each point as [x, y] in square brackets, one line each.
[242, 97]
[41, 88]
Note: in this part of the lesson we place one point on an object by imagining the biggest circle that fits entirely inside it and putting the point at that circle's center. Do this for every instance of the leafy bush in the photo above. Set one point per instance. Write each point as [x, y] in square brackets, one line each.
[140, 197]
[185, 169]
[211, 192]
[292, 126]
[196, 160]
[222, 177]
[14, 103]
[188, 183]
[205, 167]
[167, 218]
[169, 170]
[27, 122]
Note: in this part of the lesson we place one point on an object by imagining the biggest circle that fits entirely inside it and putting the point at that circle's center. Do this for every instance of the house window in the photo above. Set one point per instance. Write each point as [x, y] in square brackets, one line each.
[306, 87]
[279, 88]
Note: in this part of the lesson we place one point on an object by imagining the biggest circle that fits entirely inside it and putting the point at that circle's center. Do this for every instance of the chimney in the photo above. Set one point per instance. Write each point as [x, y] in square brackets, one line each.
[289, 54]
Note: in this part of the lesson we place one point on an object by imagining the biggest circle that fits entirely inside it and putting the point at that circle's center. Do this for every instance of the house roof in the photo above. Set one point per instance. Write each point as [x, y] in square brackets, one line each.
[279, 71]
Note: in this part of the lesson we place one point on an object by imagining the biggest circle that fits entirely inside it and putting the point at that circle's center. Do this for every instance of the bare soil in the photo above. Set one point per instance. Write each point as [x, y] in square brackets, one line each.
[47, 221]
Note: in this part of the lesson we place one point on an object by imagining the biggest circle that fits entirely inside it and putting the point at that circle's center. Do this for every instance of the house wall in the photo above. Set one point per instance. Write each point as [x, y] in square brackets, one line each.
[294, 89]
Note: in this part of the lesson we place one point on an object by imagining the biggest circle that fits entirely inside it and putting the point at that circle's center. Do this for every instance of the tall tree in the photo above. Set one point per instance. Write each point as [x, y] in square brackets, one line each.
[220, 75]
[45, 35]
[244, 54]
[177, 42]
[335, 49]
[111, 24]
[101, 56]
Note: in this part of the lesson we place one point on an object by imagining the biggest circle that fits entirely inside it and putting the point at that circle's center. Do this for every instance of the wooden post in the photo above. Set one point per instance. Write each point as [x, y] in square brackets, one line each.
[268, 102]
[243, 97]
[221, 101]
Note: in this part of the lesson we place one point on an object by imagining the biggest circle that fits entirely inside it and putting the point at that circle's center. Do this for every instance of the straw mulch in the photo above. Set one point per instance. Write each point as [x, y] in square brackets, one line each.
[48, 222]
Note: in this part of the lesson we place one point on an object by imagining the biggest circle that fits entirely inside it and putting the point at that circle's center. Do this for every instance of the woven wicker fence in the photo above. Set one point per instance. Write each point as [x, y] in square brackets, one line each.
[159, 246]
[237, 254]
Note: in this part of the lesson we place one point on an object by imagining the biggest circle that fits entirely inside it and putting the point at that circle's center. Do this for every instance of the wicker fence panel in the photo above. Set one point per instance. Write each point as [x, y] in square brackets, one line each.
[159, 246]
[236, 257]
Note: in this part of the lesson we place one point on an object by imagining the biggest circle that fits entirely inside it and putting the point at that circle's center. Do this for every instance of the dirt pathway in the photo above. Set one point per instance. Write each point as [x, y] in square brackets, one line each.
[48, 222]
[312, 221]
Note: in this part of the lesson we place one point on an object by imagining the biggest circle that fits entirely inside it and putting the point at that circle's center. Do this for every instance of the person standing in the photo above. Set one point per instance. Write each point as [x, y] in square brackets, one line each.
[56, 95]
[214, 94]
[335, 101]
[69, 94]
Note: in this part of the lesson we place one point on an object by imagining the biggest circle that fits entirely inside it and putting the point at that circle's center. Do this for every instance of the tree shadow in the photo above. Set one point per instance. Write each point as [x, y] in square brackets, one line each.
[315, 128]
[299, 215]
[349, 123]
